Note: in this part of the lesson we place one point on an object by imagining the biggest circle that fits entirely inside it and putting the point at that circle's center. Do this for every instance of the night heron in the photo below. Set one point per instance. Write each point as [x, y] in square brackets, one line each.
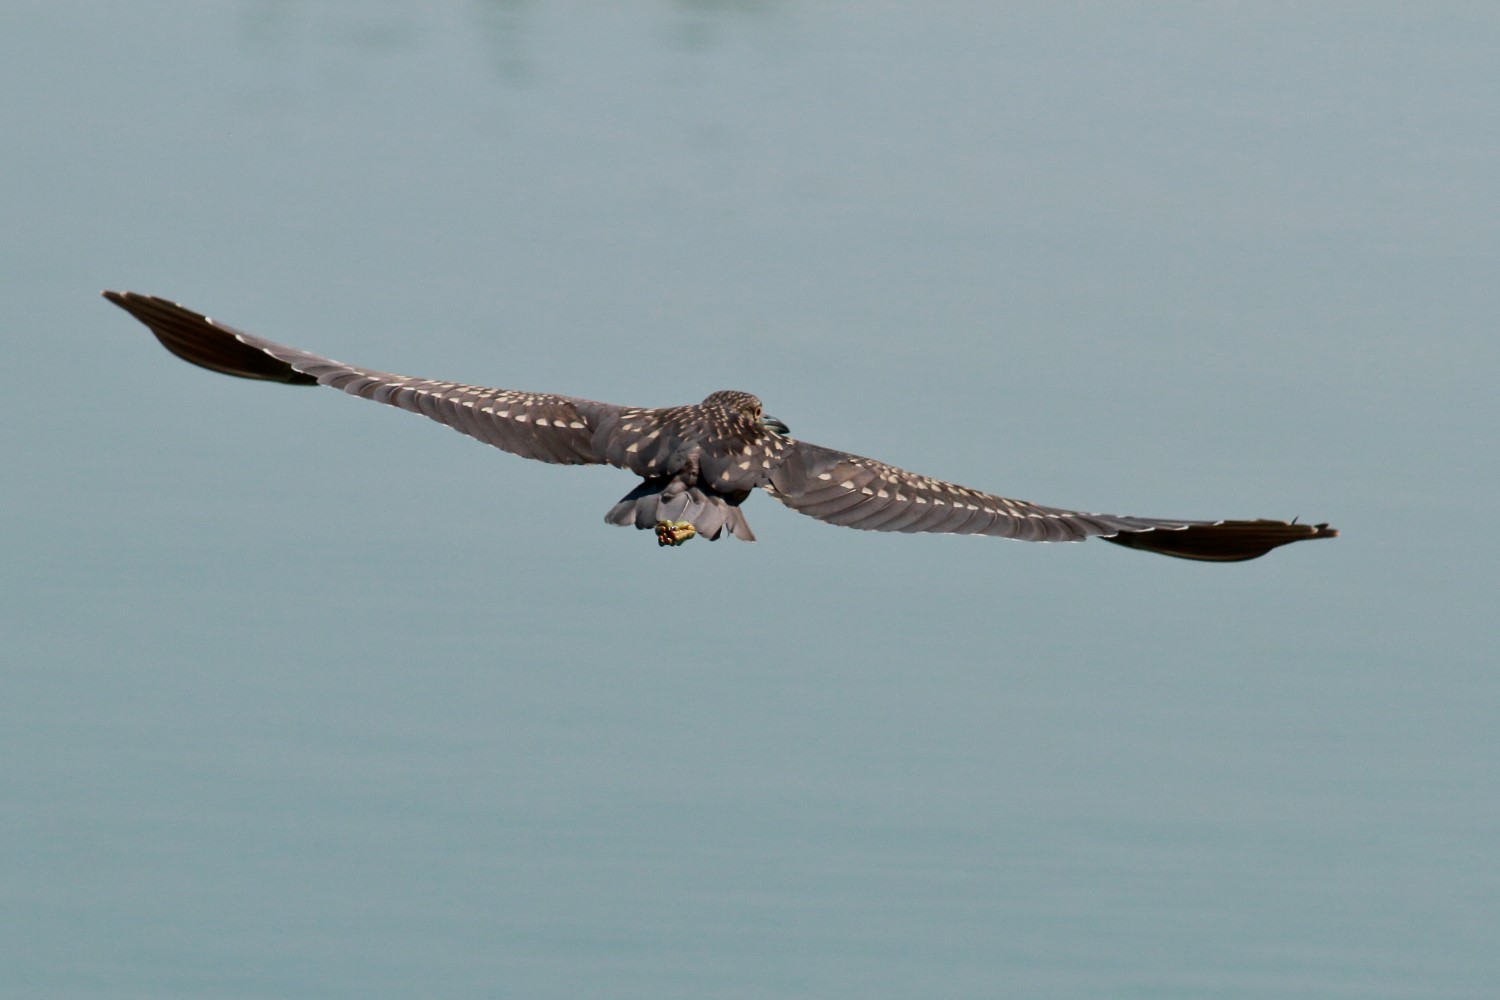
[699, 462]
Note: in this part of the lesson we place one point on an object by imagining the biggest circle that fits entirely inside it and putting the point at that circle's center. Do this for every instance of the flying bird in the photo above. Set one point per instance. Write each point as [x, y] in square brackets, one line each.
[699, 462]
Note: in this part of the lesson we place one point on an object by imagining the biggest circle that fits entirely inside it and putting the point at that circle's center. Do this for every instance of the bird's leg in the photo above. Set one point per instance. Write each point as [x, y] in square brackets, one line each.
[670, 532]
[674, 532]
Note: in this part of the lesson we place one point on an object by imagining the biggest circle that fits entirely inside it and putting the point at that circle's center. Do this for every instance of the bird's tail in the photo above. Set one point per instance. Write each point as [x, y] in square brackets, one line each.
[665, 499]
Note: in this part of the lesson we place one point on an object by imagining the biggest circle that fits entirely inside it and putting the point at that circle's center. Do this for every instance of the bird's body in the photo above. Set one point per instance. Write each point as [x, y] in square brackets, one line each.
[699, 462]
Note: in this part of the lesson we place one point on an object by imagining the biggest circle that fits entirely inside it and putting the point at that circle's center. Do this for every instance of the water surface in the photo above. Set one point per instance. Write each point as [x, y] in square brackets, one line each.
[307, 698]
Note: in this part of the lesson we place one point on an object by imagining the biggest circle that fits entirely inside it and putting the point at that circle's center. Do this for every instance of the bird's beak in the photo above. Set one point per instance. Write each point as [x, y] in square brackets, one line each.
[771, 423]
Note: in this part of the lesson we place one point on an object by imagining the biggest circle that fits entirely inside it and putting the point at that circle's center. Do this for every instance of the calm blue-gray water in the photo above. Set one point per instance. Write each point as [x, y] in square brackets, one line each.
[304, 697]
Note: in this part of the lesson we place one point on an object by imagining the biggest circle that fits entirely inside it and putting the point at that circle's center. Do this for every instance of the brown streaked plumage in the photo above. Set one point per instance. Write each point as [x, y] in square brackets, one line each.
[699, 462]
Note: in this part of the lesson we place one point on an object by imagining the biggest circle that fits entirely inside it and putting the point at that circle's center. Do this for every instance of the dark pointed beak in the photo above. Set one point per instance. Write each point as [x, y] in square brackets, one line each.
[771, 423]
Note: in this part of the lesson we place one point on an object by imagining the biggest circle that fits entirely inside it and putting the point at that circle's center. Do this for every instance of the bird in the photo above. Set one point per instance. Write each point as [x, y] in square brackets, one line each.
[699, 462]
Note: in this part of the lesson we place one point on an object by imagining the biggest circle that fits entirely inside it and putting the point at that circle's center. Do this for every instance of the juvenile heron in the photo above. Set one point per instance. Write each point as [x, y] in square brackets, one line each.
[699, 462]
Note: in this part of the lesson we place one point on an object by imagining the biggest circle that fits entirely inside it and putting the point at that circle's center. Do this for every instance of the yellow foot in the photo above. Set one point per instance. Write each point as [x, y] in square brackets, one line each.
[674, 532]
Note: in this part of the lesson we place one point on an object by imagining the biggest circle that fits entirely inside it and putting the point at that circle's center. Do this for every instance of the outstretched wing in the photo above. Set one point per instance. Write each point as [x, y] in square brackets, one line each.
[549, 428]
[857, 492]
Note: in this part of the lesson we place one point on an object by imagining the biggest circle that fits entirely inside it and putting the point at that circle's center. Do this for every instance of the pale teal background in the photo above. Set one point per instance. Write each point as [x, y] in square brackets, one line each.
[306, 698]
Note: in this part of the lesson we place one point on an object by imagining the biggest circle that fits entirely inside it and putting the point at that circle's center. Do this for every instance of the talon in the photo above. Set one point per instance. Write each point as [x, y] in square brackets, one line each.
[674, 532]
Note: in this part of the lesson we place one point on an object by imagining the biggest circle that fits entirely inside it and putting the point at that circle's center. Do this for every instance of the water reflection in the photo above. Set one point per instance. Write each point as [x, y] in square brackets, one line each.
[278, 26]
[502, 26]
[702, 25]
[511, 33]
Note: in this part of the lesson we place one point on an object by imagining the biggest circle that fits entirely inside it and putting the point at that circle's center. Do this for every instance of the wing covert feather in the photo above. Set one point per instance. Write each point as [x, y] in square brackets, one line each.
[859, 492]
[541, 426]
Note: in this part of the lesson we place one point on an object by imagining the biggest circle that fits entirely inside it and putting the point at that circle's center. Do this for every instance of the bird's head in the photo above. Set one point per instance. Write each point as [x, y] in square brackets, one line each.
[744, 404]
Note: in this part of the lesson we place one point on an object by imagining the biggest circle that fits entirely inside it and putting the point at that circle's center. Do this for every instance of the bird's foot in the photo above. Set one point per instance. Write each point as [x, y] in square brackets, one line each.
[674, 532]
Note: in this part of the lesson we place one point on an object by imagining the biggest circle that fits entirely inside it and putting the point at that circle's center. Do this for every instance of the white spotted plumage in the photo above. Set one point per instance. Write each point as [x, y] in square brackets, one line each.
[701, 460]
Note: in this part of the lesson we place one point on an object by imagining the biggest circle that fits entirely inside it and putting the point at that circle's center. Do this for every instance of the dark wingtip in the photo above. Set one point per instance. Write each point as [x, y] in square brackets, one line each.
[1226, 541]
[195, 338]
